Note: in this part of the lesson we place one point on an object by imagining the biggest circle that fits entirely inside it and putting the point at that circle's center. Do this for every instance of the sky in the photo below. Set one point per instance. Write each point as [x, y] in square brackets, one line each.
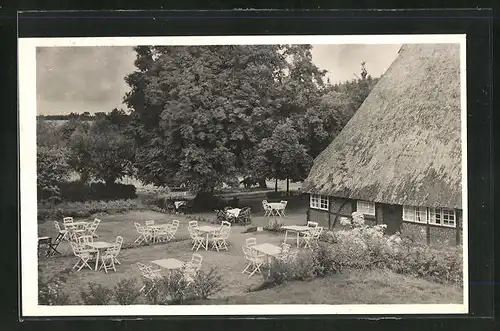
[78, 79]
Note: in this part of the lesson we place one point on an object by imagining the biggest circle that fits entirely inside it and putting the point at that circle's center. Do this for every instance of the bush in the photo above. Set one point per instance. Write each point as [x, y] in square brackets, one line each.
[325, 261]
[126, 292]
[176, 289]
[55, 212]
[50, 290]
[207, 283]
[81, 191]
[97, 294]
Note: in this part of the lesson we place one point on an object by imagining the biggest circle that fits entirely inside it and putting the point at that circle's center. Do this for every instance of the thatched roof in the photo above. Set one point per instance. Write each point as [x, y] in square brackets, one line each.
[403, 145]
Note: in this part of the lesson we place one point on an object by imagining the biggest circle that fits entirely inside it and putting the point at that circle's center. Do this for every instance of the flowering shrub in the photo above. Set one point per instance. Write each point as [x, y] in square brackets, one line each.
[96, 294]
[126, 292]
[50, 291]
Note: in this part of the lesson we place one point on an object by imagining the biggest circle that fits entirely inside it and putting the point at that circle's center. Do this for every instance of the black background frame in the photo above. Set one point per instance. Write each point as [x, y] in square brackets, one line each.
[476, 24]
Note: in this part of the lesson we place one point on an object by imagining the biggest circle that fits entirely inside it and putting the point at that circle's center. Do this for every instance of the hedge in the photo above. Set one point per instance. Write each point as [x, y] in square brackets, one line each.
[80, 191]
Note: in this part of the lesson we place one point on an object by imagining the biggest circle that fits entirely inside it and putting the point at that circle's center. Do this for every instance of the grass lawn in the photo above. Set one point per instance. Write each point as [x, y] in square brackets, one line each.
[372, 287]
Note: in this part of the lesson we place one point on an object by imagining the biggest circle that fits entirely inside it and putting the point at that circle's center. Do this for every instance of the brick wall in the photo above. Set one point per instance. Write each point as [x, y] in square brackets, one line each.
[415, 231]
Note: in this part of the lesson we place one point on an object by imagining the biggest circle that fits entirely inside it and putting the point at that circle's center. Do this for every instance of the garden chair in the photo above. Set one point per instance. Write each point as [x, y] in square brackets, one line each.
[161, 233]
[61, 234]
[150, 223]
[254, 259]
[284, 203]
[144, 234]
[312, 237]
[244, 217]
[249, 242]
[266, 207]
[221, 215]
[193, 223]
[172, 230]
[190, 268]
[285, 252]
[67, 221]
[148, 273]
[84, 255]
[225, 223]
[85, 240]
[92, 228]
[50, 247]
[197, 239]
[119, 243]
[221, 237]
[109, 257]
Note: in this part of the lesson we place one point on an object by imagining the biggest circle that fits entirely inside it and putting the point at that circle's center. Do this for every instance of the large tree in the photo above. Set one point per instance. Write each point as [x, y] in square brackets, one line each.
[101, 151]
[198, 110]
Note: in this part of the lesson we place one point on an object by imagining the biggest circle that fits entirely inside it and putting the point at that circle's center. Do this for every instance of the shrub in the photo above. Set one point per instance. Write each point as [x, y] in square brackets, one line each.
[54, 212]
[325, 262]
[81, 191]
[176, 289]
[97, 294]
[50, 291]
[126, 292]
[207, 283]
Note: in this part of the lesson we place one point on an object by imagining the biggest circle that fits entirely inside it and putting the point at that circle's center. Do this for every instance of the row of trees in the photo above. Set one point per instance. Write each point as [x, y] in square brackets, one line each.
[206, 115]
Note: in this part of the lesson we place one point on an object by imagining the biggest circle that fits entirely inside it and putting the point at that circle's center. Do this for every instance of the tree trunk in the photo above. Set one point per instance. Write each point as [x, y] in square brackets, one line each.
[337, 214]
[287, 185]
[276, 185]
[262, 183]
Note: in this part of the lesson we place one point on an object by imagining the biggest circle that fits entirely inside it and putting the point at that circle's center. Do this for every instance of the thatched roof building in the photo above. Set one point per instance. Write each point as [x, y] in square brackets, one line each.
[403, 145]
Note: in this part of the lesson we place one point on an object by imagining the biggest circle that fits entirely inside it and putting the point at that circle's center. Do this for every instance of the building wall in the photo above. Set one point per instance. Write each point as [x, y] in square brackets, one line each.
[418, 232]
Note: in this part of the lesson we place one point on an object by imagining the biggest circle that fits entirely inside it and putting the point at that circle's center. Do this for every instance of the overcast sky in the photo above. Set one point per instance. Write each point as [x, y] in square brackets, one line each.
[92, 78]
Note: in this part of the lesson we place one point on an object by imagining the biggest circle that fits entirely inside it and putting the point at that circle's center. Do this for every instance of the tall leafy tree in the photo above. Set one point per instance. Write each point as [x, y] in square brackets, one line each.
[198, 110]
[52, 168]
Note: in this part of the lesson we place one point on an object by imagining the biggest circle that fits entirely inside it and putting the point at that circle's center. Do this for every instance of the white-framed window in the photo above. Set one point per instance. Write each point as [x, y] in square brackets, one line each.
[442, 216]
[415, 214]
[319, 201]
[365, 207]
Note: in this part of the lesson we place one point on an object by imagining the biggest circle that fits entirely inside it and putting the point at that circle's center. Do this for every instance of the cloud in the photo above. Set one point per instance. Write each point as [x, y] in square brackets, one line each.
[82, 78]
[92, 78]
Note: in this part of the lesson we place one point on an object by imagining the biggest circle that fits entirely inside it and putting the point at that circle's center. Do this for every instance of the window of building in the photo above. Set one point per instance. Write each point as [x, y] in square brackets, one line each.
[319, 201]
[366, 207]
[442, 216]
[415, 214]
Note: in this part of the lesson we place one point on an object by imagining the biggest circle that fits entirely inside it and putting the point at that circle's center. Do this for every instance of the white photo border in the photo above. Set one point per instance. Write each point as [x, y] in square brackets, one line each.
[28, 204]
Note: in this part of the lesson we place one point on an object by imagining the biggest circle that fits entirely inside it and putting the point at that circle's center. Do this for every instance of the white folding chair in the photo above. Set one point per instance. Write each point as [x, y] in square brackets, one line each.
[255, 261]
[119, 244]
[144, 233]
[148, 273]
[109, 257]
[283, 203]
[61, 234]
[92, 228]
[312, 236]
[197, 239]
[83, 255]
[85, 240]
[193, 223]
[173, 230]
[161, 233]
[221, 237]
[150, 223]
[267, 208]
[249, 242]
[312, 224]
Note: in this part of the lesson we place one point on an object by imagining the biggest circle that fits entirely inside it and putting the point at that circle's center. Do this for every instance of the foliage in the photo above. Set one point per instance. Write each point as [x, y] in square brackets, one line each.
[52, 169]
[207, 283]
[101, 151]
[96, 294]
[55, 212]
[282, 156]
[126, 292]
[50, 290]
[81, 191]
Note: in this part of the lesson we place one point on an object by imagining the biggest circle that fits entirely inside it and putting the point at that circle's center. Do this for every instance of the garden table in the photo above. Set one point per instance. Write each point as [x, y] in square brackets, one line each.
[76, 225]
[99, 245]
[268, 249]
[233, 212]
[158, 227]
[297, 229]
[276, 207]
[208, 229]
[169, 264]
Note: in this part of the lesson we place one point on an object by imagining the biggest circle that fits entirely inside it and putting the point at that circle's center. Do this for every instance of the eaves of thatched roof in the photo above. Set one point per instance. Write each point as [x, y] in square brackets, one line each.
[403, 145]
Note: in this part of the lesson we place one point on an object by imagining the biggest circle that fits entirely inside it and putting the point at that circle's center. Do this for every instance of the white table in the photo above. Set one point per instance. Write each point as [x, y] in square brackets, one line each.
[267, 249]
[208, 229]
[233, 212]
[170, 264]
[99, 245]
[297, 229]
[158, 227]
[276, 208]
